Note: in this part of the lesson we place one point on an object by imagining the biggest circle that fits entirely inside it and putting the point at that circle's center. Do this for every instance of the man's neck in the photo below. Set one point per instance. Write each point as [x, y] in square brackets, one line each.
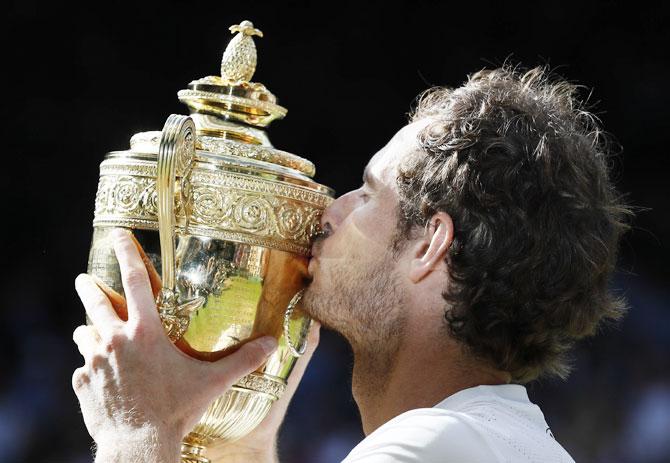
[419, 374]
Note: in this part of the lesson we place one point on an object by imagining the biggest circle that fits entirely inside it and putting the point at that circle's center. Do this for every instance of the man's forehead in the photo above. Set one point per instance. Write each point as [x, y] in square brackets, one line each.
[401, 144]
[410, 132]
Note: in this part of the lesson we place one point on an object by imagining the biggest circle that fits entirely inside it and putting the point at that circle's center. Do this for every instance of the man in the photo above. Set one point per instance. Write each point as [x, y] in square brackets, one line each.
[476, 252]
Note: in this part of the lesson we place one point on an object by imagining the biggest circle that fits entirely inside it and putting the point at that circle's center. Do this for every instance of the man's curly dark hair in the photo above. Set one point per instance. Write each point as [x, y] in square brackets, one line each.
[524, 172]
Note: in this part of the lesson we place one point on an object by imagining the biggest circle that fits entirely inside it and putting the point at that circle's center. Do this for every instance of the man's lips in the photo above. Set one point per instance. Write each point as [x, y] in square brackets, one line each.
[313, 258]
[317, 243]
[310, 266]
[316, 246]
[314, 252]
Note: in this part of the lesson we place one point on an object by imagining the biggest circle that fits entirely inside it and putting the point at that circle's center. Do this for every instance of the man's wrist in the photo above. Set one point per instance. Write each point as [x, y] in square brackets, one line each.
[139, 444]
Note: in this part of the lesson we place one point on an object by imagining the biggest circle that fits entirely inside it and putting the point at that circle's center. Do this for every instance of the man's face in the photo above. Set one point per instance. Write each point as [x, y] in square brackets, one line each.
[357, 286]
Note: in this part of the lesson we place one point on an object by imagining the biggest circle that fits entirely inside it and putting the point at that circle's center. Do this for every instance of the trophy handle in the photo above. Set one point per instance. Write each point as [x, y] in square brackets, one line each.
[295, 351]
[175, 156]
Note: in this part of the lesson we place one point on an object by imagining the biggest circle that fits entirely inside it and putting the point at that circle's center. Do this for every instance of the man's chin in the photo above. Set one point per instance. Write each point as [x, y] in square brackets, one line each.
[310, 305]
[307, 303]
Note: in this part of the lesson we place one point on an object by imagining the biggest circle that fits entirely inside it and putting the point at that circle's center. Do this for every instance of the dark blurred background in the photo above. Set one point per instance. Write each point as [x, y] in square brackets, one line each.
[81, 80]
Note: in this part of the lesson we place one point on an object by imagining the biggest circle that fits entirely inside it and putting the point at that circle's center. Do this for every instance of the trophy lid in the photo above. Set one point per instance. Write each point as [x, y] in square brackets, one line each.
[232, 96]
[230, 111]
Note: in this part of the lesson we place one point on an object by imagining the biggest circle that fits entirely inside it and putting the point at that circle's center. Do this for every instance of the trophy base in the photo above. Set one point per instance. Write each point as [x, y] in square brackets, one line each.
[230, 417]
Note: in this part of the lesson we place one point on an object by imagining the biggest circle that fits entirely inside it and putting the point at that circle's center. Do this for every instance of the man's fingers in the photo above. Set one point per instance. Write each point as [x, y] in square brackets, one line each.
[98, 308]
[86, 338]
[80, 379]
[246, 359]
[154, 277]
[117, 300]
[141, 304]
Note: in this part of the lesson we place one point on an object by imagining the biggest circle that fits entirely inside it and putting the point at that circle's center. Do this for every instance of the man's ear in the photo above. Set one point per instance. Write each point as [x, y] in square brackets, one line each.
[431, 249]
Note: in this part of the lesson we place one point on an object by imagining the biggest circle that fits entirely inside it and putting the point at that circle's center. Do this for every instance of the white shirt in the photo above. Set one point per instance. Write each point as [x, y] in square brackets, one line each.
[475, 425]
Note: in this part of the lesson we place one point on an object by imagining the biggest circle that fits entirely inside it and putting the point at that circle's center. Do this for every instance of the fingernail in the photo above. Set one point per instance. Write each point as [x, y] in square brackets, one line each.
[81, 279]
[268, 344]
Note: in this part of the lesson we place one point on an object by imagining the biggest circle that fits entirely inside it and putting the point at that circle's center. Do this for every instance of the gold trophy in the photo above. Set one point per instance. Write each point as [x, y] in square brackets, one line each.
[227, 219]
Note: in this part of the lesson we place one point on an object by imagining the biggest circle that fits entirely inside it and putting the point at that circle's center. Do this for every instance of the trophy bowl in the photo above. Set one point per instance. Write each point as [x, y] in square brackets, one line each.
[224, 221]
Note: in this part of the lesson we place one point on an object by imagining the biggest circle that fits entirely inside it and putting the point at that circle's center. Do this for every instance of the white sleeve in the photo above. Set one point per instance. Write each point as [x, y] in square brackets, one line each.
[426, 438]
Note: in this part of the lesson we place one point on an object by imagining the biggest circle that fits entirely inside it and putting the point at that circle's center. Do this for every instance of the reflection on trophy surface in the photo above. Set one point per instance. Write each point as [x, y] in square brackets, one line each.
[224, 220]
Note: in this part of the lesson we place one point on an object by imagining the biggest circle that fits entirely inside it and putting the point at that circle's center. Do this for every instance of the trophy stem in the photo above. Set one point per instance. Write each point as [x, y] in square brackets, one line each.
[193, 453]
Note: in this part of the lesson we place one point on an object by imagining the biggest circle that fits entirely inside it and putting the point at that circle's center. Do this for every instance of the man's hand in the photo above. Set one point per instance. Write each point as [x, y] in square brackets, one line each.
[139, 394]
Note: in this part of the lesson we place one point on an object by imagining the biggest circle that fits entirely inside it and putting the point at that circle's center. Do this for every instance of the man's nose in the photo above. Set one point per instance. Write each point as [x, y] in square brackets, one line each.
[335, 214]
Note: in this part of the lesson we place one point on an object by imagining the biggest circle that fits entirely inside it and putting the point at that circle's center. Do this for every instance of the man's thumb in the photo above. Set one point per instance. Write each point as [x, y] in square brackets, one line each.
[245, 360]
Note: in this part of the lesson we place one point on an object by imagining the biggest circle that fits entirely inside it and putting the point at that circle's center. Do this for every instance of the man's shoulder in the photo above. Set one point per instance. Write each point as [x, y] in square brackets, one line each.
[483, 424]
[427, 434]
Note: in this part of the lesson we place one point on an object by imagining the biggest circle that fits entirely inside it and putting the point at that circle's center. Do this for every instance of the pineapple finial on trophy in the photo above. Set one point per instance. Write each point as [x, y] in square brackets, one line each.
[239, 59]
[230, 106]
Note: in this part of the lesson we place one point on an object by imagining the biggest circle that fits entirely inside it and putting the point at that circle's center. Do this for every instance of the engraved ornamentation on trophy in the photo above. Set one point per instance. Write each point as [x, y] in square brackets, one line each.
[227, 219]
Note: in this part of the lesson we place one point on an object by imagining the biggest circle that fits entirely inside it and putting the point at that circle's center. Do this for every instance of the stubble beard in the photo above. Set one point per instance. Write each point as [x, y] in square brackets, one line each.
[366, 306]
